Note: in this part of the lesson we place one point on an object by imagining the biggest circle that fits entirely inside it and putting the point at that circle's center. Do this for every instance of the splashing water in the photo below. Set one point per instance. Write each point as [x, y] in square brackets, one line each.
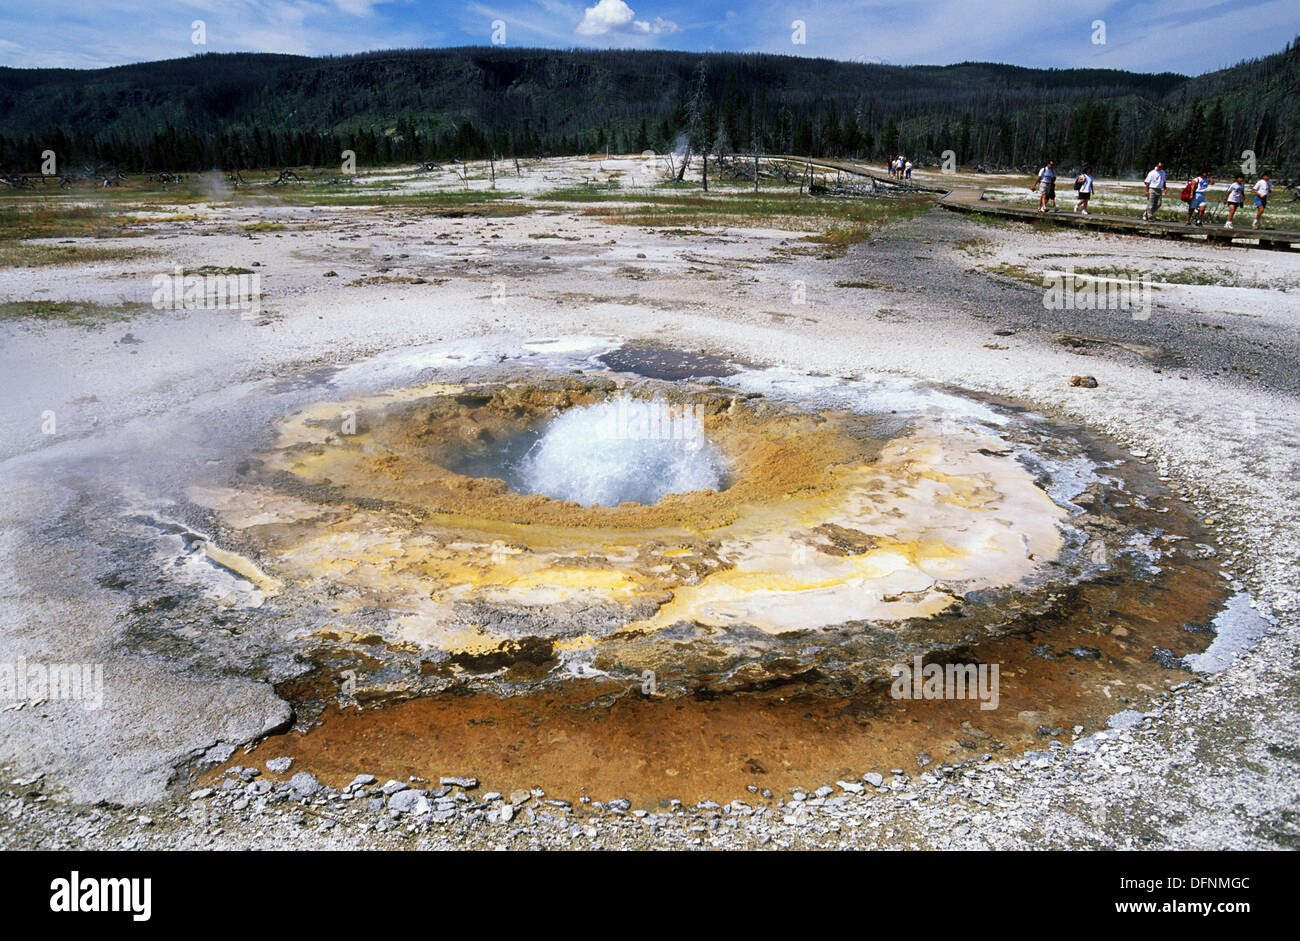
[620, 451]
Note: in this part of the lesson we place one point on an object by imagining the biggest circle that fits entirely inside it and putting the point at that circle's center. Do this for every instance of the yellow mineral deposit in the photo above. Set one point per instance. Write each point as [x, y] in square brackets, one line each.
[821, 524]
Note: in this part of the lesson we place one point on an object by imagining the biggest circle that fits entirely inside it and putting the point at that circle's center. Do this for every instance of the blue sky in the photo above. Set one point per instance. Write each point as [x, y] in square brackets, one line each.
[1189, 36]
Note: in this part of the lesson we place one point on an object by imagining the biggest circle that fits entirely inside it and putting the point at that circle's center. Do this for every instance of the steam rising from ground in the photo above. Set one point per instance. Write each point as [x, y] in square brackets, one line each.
[621, 451]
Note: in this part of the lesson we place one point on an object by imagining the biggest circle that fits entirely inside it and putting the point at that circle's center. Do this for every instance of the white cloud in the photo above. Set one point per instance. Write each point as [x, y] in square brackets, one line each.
[660, 27]
[615, 16]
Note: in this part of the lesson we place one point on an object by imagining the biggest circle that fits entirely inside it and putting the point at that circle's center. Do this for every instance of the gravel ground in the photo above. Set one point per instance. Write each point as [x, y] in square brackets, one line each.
[1214, 407]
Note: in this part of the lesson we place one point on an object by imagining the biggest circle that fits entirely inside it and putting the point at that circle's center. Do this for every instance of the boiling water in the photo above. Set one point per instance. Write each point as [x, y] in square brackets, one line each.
[621, 451]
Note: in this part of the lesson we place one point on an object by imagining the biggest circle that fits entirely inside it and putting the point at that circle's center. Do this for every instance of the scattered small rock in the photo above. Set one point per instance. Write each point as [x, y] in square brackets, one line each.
[303, 784]
[218, 754]
[408, 802]
[1167, 658]
[1124, 720]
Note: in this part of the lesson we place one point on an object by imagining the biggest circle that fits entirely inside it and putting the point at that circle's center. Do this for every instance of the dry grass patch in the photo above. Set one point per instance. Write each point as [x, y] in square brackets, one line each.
[45, 255]
[73, 313]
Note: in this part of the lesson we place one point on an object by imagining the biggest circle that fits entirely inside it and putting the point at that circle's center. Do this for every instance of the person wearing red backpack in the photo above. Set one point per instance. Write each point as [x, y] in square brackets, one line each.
[1195, 195]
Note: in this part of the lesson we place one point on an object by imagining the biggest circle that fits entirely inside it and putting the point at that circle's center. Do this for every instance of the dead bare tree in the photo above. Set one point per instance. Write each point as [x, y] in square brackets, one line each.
[695, 117]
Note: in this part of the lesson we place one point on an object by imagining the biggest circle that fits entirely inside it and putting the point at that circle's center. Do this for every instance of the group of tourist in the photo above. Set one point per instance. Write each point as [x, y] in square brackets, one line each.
[900, 168]
[1046, 187]
[1195, 193]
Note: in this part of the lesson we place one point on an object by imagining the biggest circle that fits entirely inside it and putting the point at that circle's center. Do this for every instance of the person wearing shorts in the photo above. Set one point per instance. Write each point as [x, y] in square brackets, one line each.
[1262, 189]
[1236, 192]
[1084, 185]
[1155, 191]
[1047, 179]
[1196, 207]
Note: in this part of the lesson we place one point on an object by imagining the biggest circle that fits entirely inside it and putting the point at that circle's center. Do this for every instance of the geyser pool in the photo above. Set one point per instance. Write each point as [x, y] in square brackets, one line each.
[519, 526]
[863, 521]
[623, 450]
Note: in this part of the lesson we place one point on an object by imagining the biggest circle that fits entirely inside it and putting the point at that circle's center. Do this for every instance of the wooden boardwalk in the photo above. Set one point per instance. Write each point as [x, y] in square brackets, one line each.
[853, 169]
[970, 199]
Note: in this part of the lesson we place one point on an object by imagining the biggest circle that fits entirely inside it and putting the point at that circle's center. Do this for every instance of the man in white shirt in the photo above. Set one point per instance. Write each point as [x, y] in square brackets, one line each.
[1047, 177]
[1155, 191]
[1262, 189]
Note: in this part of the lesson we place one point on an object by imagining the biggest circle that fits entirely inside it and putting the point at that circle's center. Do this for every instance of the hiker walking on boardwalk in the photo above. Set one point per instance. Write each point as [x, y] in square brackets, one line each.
[1262, 189]
[1155, 191]
[1047, 178]
[907, 170]
[1199, 186]
[1236, 193]
[1084, 185]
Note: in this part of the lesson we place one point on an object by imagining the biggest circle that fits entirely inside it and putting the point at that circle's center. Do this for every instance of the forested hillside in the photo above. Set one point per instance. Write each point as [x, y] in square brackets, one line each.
[258, 110]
